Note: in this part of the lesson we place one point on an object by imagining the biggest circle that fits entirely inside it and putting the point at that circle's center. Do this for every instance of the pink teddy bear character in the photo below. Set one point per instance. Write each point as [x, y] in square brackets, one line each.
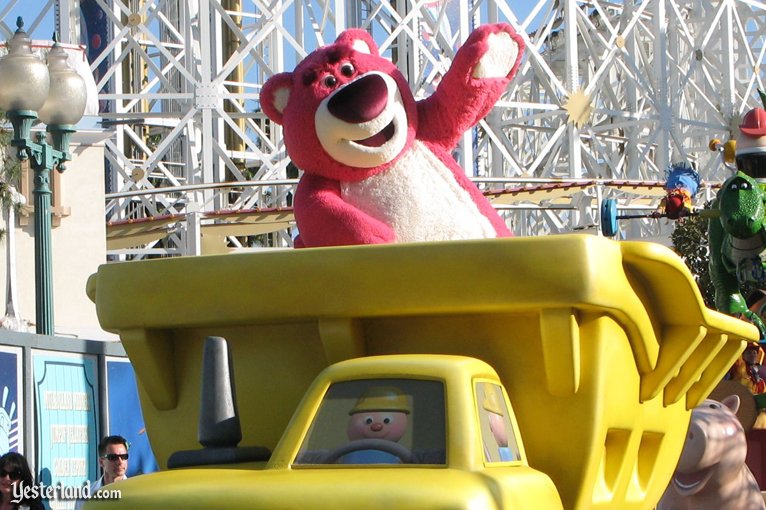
[377, 164]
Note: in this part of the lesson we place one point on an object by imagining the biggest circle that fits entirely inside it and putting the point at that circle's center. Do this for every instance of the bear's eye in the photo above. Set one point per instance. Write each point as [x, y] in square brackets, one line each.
[330, 81]
[347, 69]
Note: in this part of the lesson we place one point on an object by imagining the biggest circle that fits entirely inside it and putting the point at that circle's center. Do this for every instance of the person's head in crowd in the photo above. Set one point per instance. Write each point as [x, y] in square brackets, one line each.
[113, 458]
[14, 471]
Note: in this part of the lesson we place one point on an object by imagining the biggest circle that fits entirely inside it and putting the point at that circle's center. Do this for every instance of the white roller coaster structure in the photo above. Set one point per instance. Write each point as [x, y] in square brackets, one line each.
[609, 94]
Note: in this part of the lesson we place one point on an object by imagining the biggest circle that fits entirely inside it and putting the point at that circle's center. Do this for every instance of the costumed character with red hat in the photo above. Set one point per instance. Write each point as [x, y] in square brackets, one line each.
[751, 143]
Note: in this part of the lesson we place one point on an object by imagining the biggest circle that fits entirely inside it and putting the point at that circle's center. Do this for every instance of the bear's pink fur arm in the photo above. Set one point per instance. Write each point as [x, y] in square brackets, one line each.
[461, 100]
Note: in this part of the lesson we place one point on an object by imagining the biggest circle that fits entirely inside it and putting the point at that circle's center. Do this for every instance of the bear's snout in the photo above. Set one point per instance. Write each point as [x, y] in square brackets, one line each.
[361, 100]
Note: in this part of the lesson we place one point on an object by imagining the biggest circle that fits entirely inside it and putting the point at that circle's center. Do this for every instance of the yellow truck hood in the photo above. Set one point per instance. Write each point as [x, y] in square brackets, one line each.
[381, 488]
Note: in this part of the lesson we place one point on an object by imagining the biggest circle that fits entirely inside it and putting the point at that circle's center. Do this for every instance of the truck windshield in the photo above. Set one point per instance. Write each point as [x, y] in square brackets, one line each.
[378, 422]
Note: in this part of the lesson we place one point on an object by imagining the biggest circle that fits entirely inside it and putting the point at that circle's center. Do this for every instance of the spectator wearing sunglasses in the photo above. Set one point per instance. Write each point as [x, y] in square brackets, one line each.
[113, 459]
[14, 471]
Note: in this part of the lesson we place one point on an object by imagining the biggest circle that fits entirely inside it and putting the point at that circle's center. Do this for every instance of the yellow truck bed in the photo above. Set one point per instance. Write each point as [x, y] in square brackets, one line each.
[604, 347]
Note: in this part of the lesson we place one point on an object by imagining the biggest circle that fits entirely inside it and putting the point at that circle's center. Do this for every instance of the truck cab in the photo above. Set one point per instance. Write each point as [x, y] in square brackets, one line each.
[398, 431]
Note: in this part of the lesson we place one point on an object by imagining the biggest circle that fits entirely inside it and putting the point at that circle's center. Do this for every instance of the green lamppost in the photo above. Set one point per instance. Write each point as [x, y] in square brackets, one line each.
[56, 95]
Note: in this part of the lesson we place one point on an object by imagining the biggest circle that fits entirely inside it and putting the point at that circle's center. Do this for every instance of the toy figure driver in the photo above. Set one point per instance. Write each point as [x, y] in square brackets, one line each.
[496, 420]
[380, 413]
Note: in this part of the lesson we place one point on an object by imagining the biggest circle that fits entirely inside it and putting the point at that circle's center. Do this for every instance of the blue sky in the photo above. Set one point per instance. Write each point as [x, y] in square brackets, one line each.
[30, 10]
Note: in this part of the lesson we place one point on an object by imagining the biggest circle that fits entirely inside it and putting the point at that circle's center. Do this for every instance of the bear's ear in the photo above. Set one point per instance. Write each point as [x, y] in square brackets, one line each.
[275, 94]
[360, 40]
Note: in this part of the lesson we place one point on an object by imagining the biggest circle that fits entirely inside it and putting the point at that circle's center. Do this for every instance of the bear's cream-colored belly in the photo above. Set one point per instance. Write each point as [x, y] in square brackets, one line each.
[420, 200]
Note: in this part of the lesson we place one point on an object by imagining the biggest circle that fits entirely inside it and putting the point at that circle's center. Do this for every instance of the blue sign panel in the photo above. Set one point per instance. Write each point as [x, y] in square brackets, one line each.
[66, 401]
[11, 419]
[125, 417]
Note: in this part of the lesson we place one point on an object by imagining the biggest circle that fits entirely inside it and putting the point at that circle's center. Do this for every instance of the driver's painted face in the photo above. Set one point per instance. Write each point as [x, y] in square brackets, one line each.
[497, 426]
[390, 425]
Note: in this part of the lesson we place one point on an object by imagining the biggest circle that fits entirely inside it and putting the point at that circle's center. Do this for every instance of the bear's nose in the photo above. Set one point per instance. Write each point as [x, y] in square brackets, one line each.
[361, 100]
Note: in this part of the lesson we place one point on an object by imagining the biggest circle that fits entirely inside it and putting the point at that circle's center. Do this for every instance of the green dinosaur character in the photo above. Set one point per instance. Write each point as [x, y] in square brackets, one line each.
[736, 244]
